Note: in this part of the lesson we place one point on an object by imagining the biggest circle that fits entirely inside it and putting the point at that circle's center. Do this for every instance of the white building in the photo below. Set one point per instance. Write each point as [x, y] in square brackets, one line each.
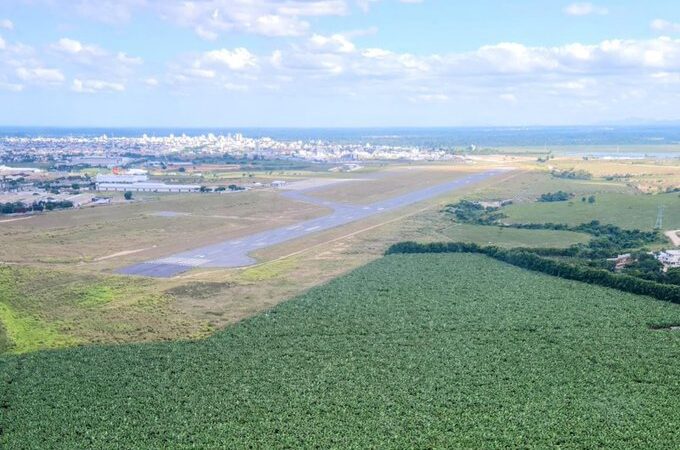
[669, 258]
[147, 187]
[278, 184]
[121, 179]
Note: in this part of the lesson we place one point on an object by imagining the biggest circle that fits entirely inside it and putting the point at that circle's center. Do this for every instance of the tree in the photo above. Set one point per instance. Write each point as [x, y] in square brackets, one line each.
[75, 186]
[559, 196]
[181, 170]
[128, 195]
[591, 199]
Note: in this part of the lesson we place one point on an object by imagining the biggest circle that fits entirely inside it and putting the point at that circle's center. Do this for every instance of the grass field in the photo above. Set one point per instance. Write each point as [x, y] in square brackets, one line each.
[416, 351]
[647, 175]
[41, 309]
[627, 211]
[392, 182]
[154, 226]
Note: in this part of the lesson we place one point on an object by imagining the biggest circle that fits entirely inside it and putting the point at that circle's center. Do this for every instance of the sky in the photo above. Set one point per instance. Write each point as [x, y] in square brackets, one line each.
[337, 63]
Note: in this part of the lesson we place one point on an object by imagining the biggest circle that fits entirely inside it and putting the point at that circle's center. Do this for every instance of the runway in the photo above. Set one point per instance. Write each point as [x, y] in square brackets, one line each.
[235, 252]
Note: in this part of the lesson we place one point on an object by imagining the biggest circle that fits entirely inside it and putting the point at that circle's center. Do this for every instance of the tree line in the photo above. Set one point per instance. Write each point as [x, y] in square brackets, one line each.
[21, 208]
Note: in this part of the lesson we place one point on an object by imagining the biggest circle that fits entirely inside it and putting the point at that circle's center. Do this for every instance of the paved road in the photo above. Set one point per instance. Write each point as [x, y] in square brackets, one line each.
[235, 252]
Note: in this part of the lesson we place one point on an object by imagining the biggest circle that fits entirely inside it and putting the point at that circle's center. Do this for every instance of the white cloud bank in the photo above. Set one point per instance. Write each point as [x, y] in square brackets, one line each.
[94, 86]
[585, 9]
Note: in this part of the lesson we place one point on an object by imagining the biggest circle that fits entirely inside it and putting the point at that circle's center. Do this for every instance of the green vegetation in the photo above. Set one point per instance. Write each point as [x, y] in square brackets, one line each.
[22, 208]
[27, 334]
[559, 196]
[624, 210]
[42, 309]
[511, 237]
[588, 262]
[474, 213]
[412, 351]
[535, 259]
[128, 195]
[572, 174]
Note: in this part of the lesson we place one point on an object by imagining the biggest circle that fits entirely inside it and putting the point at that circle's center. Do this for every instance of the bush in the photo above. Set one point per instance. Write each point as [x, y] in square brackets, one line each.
[559, 196]
[128, 195]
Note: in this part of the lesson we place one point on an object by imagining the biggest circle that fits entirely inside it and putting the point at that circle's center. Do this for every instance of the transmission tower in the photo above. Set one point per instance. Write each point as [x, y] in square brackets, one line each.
[659, 218]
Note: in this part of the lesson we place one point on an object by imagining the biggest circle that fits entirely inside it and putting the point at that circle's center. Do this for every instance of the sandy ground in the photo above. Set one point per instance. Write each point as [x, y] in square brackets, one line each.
[674, 237]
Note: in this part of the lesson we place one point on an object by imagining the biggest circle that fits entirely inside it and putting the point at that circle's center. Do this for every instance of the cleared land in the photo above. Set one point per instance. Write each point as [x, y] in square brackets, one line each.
[392, 182]
[410, 351]
[72, 237]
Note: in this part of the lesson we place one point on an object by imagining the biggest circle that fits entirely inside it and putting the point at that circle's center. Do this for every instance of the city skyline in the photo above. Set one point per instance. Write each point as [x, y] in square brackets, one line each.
[344, 63]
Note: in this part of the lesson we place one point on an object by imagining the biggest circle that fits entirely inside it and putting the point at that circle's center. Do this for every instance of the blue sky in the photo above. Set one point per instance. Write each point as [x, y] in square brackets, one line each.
[316, 63]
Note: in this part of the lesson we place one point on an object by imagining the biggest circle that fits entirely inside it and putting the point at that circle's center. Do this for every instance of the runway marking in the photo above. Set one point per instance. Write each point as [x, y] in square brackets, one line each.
[17, 219]
[123, 253]
[179, 261]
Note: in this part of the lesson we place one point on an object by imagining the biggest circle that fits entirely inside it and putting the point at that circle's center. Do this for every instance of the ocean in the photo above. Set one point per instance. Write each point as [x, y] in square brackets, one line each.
[423, 137]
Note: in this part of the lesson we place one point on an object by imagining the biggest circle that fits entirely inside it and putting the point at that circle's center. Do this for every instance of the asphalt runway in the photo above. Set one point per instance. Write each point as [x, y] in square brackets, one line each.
[235, 252]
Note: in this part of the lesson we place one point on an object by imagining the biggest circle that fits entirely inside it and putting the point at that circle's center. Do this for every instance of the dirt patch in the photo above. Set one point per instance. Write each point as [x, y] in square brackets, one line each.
[674, 237]
[198, 290]
[123, 253]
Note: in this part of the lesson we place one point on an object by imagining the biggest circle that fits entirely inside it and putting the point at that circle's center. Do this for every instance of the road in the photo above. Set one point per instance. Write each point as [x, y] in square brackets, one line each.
[235, 252]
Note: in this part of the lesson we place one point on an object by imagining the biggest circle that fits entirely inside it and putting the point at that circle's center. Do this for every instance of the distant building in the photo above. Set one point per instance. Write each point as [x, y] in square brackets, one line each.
[622, 261]
[669, 258]
[147, 187]
[121, 179]
[278, 184]
[100, 161]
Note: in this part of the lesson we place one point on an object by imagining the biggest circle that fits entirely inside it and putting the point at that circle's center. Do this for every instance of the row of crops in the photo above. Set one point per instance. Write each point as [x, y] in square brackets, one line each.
[411, 351]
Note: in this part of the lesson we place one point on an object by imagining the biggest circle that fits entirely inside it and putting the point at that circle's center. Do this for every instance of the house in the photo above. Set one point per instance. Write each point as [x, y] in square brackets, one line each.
[622, 261]
[278, 184]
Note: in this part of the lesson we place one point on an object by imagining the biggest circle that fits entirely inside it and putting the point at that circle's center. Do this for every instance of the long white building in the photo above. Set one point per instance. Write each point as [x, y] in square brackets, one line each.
[139, 183]
[147, 187]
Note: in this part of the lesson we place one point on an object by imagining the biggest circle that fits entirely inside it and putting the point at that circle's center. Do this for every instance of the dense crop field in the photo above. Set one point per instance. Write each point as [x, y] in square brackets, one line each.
[446, 350]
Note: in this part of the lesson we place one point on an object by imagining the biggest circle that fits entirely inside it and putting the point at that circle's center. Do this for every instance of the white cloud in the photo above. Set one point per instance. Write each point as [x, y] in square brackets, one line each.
[508, 97]
[664, 26]
[275, 18]
[585, 9]
[6, 24]
[90, 61]
[152, 82]
[94, 86]
[237, 59]
[3, 44]
[235, 87]
[336, 43]
[429, 98]
[11, 87]
[40, 75]
[77, 48]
